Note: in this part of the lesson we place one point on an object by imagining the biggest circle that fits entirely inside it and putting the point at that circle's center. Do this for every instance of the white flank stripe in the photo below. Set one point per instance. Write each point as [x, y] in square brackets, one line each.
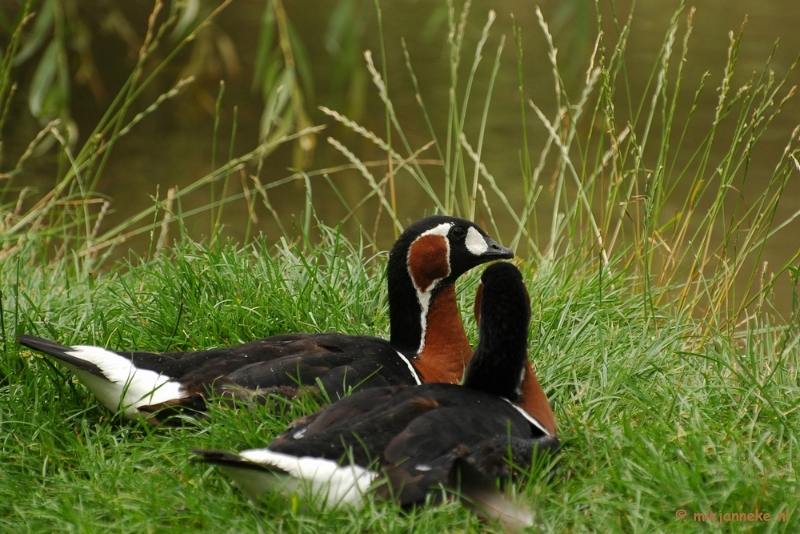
[124, 385]
[410, 367]
[475, 242]
[315, 478]
[529, 417]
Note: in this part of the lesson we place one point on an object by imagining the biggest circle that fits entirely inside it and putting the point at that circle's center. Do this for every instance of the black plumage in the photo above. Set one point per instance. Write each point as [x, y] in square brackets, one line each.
[419, 438]
[292, 363]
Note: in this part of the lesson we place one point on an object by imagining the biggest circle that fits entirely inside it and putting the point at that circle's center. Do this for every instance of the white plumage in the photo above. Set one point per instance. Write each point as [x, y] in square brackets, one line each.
[125, 386]
[319, 479]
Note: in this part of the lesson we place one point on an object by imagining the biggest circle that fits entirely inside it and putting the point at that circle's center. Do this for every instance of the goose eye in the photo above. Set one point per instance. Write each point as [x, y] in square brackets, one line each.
[459, 232]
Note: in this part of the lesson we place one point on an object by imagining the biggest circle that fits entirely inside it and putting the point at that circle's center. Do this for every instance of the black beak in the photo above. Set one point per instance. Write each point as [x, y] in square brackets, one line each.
[495, 250]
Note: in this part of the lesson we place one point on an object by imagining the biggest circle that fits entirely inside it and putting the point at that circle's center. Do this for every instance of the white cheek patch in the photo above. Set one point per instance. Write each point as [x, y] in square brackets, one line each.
[475, 242]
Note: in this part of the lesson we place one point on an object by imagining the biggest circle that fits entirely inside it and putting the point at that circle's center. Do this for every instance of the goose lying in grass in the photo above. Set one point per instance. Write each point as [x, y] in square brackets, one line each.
[427, 344]
[410, 441]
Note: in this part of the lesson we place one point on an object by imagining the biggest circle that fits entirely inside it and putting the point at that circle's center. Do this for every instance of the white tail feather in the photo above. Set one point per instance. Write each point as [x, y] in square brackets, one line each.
[124, 386]
[323, 480]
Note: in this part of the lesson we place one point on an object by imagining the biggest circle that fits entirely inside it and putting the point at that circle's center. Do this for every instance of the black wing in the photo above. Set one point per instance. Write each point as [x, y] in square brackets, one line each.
[357, 428]
[207, 365]
[366, 363]
[485, 431]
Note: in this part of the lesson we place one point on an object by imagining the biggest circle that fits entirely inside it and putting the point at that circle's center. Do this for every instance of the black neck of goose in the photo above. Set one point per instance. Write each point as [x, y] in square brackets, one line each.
[405, 311]
[497, 369]
[498, 364]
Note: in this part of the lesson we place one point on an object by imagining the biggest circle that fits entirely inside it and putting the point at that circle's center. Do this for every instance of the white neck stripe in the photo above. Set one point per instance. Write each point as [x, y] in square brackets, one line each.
[424, 294]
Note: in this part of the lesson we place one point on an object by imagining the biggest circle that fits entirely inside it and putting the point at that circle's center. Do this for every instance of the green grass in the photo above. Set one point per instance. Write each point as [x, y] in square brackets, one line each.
[653, 418]
[673, 378]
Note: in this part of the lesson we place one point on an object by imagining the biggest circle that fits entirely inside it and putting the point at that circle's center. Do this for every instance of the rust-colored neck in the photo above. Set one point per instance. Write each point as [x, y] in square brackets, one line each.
[446, 349]
[535, 402]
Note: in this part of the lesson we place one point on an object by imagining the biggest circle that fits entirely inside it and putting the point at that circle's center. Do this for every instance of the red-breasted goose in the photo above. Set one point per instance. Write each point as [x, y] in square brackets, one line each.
[428, 342]
[406, 442]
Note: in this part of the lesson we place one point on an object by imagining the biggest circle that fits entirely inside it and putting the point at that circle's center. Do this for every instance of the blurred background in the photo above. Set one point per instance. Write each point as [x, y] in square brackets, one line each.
[76, 55]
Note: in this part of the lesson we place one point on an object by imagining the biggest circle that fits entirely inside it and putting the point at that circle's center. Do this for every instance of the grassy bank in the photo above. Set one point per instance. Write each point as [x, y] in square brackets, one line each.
[654, 417]
[673, 379]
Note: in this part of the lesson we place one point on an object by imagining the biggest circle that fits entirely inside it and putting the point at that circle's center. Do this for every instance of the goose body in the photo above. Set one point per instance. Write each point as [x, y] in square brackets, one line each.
[427, 344]
[406, 442]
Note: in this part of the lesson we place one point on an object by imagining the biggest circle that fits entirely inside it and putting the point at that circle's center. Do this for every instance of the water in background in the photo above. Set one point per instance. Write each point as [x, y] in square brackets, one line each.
[173, 146]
